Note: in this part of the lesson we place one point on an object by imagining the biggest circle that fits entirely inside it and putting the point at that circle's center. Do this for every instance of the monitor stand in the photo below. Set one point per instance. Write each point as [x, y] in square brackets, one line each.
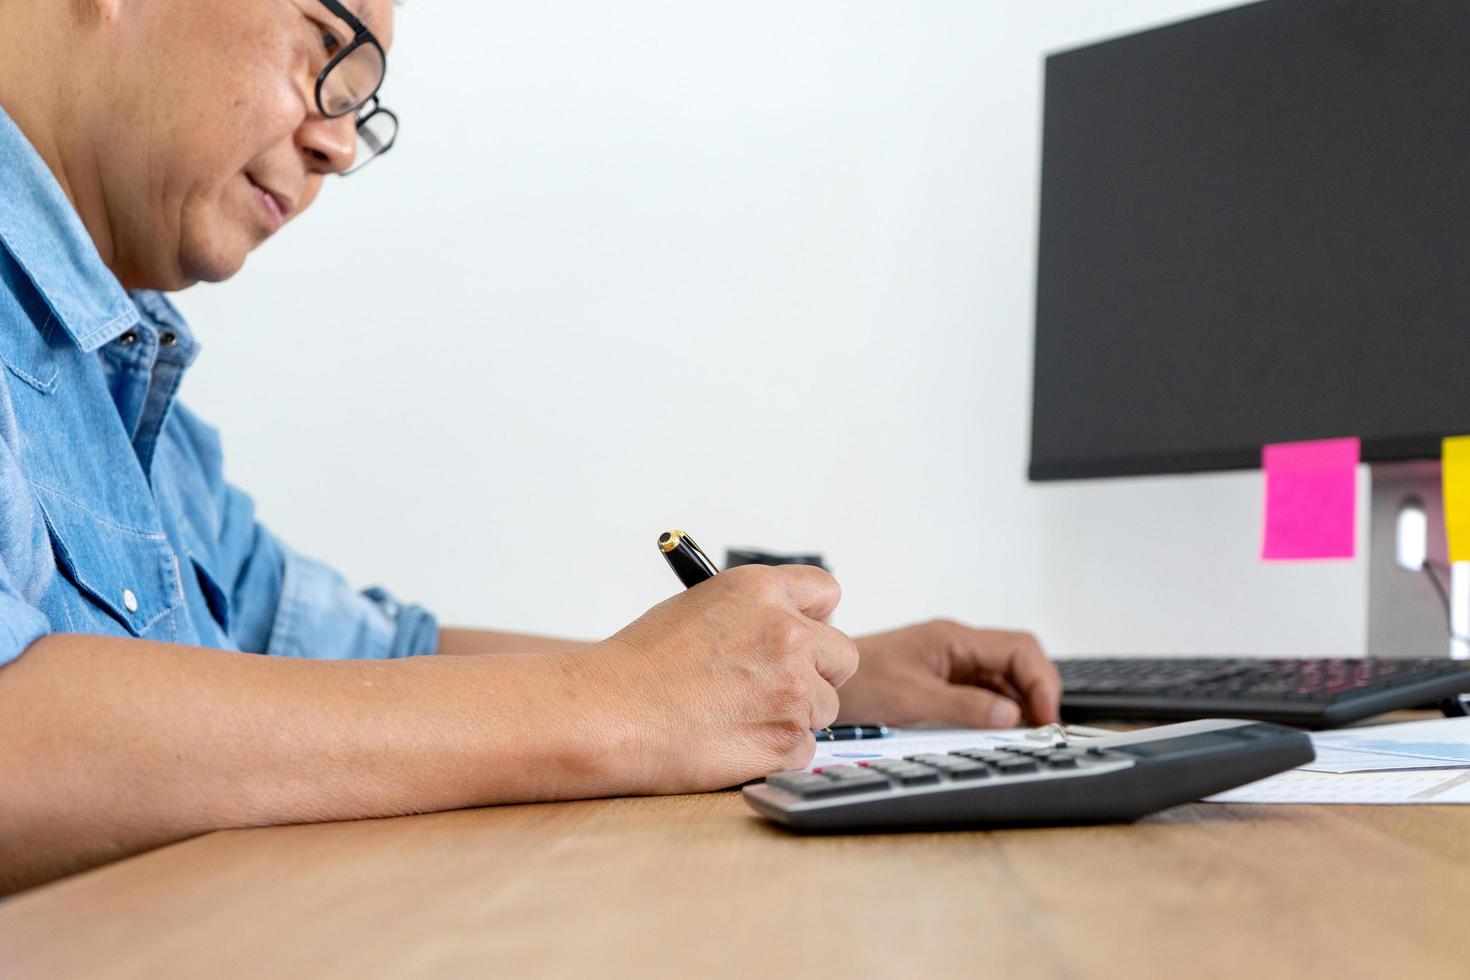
[1406, 617]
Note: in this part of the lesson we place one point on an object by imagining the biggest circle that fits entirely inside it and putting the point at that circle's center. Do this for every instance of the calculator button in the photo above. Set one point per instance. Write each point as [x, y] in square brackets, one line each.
[808, 786]
[945, 762]
[869, 785]
[1012, 767]
[906, 773]
[845, 772]
[1062, 762]
[962, 765]
[976, 771]
[851, 779]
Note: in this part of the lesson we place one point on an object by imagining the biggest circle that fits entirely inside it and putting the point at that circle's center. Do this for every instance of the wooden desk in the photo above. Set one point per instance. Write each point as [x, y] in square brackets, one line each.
[698, 887]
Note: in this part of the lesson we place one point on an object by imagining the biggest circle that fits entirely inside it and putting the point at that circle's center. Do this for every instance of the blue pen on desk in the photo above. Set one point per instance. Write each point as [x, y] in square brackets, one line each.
[693, 566]
[851, 733]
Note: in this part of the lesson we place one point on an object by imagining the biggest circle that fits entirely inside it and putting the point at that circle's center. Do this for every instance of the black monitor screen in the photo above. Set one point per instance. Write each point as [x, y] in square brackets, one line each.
[1255, 228]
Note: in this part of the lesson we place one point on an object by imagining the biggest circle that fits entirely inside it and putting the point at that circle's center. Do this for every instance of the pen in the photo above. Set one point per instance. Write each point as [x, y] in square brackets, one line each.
[690, 563]
[851, 733]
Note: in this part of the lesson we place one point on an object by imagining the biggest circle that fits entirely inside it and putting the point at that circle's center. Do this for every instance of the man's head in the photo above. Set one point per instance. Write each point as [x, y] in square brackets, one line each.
[186, 132]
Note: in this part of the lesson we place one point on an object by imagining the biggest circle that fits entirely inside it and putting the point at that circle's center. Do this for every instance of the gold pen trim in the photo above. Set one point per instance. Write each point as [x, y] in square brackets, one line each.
[669, 540]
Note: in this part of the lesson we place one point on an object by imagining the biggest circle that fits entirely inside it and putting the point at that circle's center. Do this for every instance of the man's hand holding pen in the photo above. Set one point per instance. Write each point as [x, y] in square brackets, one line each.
[725, 682]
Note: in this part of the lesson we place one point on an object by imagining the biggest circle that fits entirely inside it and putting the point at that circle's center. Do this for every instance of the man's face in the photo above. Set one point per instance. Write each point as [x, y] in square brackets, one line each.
[213, 138]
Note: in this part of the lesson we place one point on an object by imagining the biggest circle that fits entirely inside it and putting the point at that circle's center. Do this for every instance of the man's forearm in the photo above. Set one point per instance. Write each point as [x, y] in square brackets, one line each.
[112, 746]
[455, 641]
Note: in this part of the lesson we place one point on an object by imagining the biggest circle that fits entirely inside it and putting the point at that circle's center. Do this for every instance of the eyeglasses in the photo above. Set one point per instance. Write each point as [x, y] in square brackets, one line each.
[350, 82]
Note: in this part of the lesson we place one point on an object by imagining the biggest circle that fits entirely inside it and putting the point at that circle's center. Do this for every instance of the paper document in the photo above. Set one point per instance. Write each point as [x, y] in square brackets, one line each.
[1445, 741]
[1330, 759]
[1413, 762]
[1300, 786]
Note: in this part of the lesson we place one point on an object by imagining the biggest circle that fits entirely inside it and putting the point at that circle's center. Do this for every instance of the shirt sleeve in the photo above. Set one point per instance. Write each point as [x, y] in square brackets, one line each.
[288, 605]
[273, 600]
[21, 624]
[22, 539]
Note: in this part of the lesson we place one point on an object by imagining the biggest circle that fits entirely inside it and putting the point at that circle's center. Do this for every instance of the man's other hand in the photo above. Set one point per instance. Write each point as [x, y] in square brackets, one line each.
[948, 673]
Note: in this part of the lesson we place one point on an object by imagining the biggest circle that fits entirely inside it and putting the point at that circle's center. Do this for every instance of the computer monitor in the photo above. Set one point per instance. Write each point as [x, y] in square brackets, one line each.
[1255, 228]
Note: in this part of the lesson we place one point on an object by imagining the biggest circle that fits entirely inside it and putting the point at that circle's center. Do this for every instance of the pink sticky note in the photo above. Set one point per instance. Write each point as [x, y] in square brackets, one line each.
[1311, 499]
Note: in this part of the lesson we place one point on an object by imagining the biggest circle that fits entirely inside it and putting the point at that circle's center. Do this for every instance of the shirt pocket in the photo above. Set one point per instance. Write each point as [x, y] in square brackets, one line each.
[129, 574]
[215, 596]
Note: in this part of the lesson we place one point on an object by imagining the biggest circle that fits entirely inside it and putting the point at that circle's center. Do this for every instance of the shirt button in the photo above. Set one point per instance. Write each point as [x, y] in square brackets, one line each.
[130, 601]
[128, 339]
[168, 338]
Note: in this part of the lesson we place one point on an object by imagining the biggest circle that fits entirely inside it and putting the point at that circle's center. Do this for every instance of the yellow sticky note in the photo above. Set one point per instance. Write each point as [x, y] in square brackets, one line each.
[1455, 463]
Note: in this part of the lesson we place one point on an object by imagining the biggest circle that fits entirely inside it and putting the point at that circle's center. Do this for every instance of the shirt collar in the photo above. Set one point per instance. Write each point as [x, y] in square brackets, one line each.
[41, 229]
[160, 310]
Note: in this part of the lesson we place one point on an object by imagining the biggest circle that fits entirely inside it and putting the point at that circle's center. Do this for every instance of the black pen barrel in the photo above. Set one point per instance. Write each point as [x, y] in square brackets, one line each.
[686, 558]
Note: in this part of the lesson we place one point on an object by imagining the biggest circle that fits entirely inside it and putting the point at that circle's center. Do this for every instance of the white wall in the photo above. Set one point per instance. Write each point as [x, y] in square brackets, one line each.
[762, 270]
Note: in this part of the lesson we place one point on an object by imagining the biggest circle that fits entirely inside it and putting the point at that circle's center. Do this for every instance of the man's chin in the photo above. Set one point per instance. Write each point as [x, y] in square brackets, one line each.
[210, 265]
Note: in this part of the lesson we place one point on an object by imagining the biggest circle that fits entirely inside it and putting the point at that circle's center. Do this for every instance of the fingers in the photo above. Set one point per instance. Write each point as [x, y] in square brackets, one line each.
[823, 701]
[972, 707]
[834, 655]
[1019, 657]
[1037, 678]
[799, 754]
[815, 593]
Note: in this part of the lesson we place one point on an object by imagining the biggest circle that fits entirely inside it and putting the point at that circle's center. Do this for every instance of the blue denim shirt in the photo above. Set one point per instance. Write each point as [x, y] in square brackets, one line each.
[115, 517]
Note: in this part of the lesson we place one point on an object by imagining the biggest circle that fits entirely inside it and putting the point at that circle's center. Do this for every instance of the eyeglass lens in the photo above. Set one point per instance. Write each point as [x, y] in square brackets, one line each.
[352, 81]
[375, 134]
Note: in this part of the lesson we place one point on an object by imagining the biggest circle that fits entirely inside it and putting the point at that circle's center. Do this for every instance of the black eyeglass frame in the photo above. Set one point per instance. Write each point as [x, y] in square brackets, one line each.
[360, 36]
[364, 116]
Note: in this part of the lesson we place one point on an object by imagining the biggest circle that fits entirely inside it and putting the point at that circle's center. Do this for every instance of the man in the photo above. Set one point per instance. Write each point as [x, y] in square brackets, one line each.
[146, 145]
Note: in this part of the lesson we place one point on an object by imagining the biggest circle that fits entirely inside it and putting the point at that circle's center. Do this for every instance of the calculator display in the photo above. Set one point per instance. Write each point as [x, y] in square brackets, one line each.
[1185, 743]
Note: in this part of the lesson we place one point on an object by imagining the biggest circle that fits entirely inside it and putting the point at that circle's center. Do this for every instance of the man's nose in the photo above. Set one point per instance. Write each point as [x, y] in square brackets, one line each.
[328, 145]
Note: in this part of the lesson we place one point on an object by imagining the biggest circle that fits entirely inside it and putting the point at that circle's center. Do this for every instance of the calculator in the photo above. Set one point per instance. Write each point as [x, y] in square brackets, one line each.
[1112, 778]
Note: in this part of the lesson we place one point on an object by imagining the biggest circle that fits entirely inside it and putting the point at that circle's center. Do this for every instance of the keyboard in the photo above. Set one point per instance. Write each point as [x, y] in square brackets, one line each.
[1113, 778]
[1310, 693]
